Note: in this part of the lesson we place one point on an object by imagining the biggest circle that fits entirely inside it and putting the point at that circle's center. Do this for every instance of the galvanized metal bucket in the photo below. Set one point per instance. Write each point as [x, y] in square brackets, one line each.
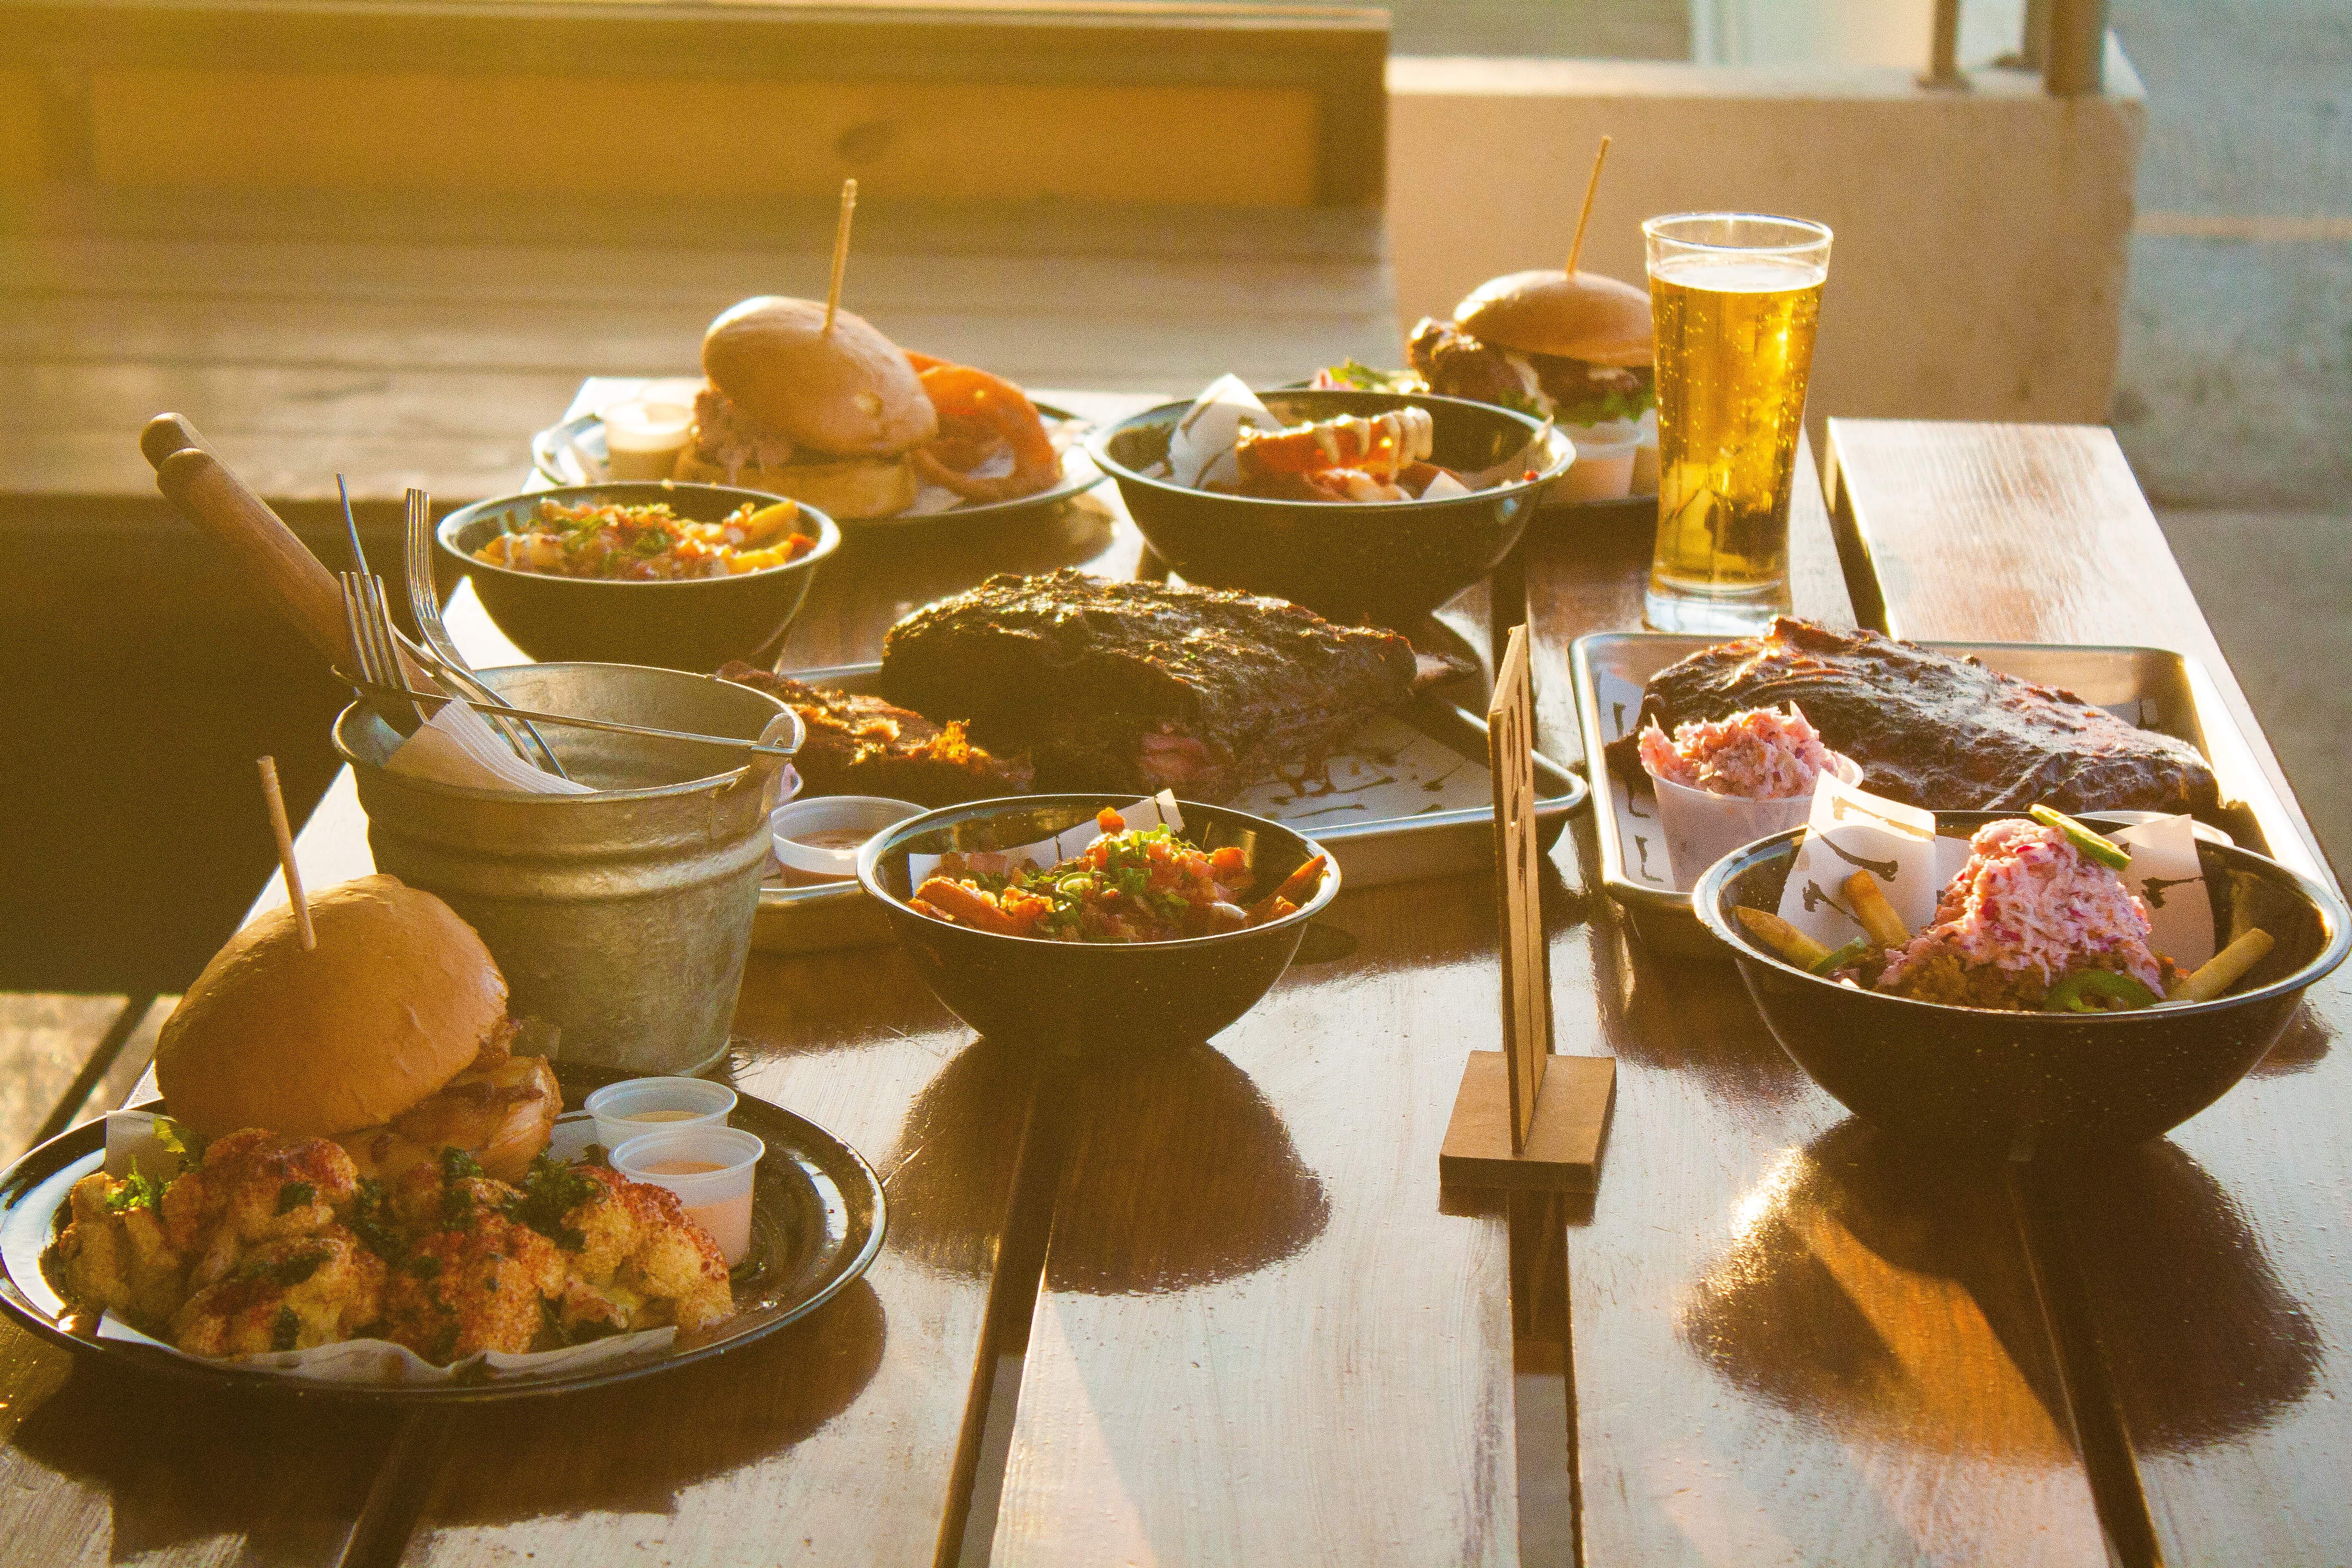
[622, 916]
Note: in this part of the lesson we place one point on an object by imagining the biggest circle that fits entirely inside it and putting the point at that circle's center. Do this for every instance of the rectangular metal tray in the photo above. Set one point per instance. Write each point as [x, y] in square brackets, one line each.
[1449, 831]
[2156, 689]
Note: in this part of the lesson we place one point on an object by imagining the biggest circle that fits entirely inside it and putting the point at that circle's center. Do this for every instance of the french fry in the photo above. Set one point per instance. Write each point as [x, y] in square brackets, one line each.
[1296, 887]
[964, 906]
[1784, 939]
[1878, 917]
[2224, 969]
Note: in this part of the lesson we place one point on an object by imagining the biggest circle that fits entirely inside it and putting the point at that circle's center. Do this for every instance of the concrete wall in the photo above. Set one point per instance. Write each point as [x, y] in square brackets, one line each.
[1980, 257]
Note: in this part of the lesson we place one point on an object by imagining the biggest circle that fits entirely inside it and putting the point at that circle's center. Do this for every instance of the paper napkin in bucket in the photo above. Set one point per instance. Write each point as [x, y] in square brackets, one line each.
[458, 746]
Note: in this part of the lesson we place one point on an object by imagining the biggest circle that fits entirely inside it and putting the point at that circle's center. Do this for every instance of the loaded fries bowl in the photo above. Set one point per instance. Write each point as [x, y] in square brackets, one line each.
[2007, 1064]
[1386, 561]
[1144, 937]
[678, 576]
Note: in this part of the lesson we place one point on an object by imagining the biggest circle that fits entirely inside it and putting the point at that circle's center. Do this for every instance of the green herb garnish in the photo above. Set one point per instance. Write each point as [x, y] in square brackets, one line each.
[136, 1191]
[551, 1190]
[456, 1166]
[286, 1330]
[292, 1196]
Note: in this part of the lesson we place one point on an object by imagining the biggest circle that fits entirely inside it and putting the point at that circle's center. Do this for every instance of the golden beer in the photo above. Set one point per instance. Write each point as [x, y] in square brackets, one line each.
[1734, 343]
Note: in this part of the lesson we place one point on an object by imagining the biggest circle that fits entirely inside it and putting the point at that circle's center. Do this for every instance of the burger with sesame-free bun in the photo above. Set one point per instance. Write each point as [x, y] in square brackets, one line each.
[828, 416]
[391, 1037]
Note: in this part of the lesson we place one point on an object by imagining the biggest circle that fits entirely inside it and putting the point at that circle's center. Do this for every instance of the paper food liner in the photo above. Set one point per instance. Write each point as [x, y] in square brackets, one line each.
[931, 499]
[1201, 448]
[1159, 811]
[1848, 829]
[131, 1134]
[1702, 826]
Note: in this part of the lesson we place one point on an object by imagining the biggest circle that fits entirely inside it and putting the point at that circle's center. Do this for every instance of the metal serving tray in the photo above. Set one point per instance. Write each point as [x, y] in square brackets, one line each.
[1408, 798]
[2156, 689]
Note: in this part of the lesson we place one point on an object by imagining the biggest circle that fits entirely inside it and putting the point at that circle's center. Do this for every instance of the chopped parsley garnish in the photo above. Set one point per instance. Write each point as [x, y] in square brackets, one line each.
[286, 1330]
[293, 1195]
[551, 1190]
[372, 1222]
[136, 1191]
[178, 1139]
[456, 1166]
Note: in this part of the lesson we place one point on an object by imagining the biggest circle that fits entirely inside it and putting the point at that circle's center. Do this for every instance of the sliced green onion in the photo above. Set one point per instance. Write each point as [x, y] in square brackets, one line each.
[2105, 851]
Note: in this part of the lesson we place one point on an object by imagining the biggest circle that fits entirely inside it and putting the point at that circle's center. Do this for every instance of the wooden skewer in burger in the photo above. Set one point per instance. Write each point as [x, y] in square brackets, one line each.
[810, 401]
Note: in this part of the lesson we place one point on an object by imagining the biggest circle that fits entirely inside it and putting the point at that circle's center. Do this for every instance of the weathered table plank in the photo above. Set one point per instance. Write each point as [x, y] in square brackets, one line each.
[1790, 1342]
[2212, 1266]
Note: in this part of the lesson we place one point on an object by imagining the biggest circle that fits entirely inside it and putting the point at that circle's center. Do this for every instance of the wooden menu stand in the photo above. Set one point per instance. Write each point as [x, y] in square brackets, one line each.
[1524, 1118]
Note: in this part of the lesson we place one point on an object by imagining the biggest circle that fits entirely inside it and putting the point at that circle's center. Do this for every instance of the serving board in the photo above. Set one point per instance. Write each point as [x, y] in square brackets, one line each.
[1408, 798]
[2155, 689]
[817, 1220]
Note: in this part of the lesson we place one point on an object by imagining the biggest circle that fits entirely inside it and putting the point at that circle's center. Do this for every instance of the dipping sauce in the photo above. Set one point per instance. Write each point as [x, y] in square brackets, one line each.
[833, 839]
[729, 1220]
[668, 1116]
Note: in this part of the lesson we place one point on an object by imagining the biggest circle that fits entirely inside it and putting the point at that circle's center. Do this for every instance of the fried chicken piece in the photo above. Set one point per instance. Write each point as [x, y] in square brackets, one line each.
[285, 1295]
[479, 1288]
[253, 1187]
[501, 1110]
[642, 1252]
[115, 1255]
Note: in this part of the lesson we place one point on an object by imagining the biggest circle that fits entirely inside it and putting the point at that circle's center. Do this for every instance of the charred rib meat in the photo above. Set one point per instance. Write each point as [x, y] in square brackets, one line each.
[857, 744]
[1930, 730]
[1141, 686]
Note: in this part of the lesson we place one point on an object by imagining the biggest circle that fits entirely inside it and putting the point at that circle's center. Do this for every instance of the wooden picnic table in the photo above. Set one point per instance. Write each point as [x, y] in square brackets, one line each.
[1212, 1306]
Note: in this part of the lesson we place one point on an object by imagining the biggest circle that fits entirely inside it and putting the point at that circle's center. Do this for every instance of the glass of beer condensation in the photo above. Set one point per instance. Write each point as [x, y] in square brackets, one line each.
[1735, 297]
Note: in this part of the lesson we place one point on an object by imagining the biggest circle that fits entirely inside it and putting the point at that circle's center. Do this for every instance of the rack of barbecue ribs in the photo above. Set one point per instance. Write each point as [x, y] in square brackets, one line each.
[1930, 730]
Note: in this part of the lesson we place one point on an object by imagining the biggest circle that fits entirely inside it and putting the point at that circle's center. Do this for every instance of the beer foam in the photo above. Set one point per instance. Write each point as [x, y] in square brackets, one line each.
[1740, 274]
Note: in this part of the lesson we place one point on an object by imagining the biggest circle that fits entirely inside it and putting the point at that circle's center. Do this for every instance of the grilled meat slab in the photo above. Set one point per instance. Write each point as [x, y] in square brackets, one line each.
[863, 745]
[1141, 686]
[1929, 729]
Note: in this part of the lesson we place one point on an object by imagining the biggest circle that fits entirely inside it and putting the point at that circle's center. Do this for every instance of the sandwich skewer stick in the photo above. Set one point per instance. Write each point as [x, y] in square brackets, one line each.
[1591, 188]
[278, 826]
[840, 250]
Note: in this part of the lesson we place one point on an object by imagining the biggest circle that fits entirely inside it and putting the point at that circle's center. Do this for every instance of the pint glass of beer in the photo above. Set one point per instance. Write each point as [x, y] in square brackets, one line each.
[1735, 297]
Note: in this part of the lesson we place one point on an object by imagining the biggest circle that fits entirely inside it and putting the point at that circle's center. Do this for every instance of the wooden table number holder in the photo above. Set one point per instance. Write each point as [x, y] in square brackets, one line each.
[1524, 1118]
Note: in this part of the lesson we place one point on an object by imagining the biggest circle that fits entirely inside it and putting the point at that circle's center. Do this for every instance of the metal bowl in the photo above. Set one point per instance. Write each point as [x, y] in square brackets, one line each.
[1086, 998]
[1378, 560]
[2023, 1083]
[697, 623]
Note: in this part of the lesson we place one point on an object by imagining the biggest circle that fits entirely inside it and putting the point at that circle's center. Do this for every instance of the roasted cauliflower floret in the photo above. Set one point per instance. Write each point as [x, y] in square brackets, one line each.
[445, 1193]
[471, 1289]
[637, 1245]
[586, 1312]
[116, 1256]
[285, 1295]
[254, 1187]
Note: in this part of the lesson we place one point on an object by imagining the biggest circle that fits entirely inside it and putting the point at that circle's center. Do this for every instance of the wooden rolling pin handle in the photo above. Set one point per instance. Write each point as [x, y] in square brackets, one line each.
[169, 433]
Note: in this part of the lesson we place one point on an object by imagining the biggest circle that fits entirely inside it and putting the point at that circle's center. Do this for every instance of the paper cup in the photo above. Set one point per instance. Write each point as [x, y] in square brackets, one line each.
[1702, 826]
[709, 1169]
[637, 1106]
[820, 836]
[1604, 469]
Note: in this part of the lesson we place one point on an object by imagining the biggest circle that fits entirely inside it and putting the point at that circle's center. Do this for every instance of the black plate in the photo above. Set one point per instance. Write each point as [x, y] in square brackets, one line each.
[817, 1220]
[1078, 471]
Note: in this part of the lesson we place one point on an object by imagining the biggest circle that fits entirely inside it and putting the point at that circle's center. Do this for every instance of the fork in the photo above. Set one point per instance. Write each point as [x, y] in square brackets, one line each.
[440, 649]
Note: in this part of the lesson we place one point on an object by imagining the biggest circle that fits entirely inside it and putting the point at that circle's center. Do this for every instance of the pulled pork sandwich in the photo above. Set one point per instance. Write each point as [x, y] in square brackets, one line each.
[1574, 347]
[828, 415]
[391, 1037]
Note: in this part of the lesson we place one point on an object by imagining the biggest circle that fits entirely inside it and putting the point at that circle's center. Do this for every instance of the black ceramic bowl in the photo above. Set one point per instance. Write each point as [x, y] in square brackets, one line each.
[697, 624]
[1380, 560]
[1091, 997]
[2021, 1083]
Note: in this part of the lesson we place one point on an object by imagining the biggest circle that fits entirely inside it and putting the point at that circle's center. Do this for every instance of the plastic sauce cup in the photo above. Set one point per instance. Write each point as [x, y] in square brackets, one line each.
[640, 1105]
[709, 1169]
[820, 836]
[1604, 469]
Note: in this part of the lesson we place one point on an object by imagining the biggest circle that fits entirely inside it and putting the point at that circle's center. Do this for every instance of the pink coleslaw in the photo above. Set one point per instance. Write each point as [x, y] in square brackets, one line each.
[2028, 899]
[1756, 755]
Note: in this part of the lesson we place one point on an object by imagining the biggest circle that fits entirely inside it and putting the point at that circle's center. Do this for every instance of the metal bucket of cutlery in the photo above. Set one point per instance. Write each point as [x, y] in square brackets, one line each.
[623, 916]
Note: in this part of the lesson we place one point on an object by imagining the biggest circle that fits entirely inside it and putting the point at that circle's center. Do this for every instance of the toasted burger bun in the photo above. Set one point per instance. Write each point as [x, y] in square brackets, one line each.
[397, 999]
[840, 488]
[848, 393]
[1575, 316]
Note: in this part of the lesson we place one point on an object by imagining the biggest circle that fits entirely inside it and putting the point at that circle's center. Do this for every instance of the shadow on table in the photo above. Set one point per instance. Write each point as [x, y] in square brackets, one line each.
[678, 1429]
[1175, 1172]
[174, 1467]
[1878, 1287]
[2303, 1046]
[2203, 1341]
